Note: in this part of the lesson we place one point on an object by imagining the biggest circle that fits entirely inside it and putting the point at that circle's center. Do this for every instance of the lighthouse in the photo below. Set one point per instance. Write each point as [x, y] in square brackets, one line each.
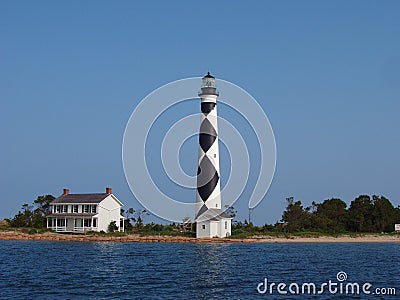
[211, 220]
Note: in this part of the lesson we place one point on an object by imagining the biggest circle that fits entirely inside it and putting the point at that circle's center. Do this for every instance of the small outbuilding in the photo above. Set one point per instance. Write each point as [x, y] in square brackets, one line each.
[213, 223]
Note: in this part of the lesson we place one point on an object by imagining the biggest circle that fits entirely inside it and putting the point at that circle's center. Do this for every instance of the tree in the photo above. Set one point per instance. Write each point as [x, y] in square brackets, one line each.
[43, 204]
[329, 216]
[295, 216]
[397, 215]
[128, 217]
[138, 217]
[112, 227]
[30, 217]
[383, 214]
[360, 214]
[232, 212]
[23, 218]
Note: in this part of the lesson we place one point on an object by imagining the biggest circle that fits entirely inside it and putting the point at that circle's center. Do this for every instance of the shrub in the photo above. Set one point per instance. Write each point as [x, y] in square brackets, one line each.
[112, 226]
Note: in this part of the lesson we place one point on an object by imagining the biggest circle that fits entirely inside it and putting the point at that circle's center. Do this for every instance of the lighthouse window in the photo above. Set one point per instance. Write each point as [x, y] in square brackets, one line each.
[226, 225]
[204, 226]
[215, 155]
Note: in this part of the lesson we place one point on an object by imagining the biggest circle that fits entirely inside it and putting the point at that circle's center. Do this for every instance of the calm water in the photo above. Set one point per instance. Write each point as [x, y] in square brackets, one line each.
[67, 270]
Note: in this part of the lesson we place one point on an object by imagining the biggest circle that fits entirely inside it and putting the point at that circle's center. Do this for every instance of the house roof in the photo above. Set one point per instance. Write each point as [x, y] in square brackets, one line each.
[213, 214]
[80, 198]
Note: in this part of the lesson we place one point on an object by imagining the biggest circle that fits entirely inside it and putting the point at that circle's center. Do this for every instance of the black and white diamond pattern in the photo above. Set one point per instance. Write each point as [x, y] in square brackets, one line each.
[208, 135]
[205, 172]
[208, 169]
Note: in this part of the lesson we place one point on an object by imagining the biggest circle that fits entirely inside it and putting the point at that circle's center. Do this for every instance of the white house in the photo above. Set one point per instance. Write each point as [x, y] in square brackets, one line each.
[85, 212]
[213, 223]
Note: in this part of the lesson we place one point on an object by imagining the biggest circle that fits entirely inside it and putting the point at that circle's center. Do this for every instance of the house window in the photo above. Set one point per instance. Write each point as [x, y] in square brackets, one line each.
[75, 208]
[60, 222]
[86, 208]
[94, 222]
[93, 209]
[65, 208]
[58, 208]
[226, 225]
[87, 222]
[203, 226]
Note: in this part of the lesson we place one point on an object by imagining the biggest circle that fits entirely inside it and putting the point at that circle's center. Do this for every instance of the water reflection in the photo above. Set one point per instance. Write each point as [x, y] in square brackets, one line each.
[212, 268]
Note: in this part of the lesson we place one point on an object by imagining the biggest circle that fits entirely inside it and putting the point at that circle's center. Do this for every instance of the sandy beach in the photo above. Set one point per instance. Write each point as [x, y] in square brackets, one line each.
[370, 238]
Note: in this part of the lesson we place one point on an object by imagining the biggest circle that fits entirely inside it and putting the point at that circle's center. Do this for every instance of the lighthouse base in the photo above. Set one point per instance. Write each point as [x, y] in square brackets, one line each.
[213, 223]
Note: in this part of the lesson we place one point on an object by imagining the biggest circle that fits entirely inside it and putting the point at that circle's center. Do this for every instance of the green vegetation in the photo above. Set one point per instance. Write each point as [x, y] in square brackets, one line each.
[33, 216]
[112, 227]
[331, 217]
[102, 233]
[134, 224]
[365, 215]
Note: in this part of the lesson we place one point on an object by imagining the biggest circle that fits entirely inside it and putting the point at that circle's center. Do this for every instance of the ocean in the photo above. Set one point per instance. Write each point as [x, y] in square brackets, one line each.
[106, 270]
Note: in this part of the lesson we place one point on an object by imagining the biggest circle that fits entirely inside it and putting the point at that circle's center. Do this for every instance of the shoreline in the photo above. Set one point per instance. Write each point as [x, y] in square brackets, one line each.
[368, 238]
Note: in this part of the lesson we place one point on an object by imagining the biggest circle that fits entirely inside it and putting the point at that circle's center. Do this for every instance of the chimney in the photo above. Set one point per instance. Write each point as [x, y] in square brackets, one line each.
[108, 190]
[66, 192]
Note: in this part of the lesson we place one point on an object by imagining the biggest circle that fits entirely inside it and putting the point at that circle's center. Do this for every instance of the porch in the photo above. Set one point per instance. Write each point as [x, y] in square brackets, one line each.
[72, 224]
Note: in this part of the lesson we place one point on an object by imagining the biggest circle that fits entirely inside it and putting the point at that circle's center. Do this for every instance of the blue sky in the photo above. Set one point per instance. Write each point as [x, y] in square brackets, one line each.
[326, 74]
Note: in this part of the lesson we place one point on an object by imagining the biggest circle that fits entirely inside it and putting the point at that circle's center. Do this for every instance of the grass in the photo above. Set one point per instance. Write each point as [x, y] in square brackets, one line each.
[5, 228]
[28, 230]
[242, 234]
